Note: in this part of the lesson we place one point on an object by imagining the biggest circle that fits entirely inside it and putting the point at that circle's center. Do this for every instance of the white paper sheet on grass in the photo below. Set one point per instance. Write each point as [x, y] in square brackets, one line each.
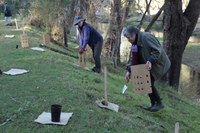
[9, 36]
[111, 106]
[45, 118]
[14, 71]
[38, 49]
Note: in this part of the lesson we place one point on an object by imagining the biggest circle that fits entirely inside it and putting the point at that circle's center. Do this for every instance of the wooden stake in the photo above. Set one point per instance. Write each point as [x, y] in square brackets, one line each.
[16, 24]
[23, 27]
[177, 127]
[105, 86]
[82, 60]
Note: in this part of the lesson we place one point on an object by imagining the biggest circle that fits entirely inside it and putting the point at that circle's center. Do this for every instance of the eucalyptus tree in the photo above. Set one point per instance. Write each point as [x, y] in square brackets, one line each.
[119, 13]
[55, 16]
[178, 27]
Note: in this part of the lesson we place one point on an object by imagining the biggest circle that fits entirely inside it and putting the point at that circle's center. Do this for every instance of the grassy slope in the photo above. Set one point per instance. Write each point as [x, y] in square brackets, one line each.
[54, 79]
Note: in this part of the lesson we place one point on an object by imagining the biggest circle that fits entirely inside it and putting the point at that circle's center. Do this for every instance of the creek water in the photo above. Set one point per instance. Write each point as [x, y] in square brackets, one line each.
[189, 84]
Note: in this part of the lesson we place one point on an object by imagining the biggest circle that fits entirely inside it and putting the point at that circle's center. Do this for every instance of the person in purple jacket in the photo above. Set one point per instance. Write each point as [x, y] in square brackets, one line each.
[88, 35]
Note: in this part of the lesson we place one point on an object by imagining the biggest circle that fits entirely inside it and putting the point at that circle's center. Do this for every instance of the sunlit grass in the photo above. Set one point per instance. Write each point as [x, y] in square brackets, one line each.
[53, 78]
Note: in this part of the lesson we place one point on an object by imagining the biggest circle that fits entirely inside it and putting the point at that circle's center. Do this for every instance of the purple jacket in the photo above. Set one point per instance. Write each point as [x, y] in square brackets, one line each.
[88, 35]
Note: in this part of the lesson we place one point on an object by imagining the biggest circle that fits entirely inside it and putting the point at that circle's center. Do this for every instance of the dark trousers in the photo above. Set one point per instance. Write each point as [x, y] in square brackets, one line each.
[154, 96]
[96, 51]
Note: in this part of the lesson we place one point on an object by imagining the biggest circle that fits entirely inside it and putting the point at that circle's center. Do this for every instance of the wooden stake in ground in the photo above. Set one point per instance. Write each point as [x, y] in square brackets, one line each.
[16, 24]
[82, 60]
[23, 26]
[177, 127]
[46, 39]
[104, 103]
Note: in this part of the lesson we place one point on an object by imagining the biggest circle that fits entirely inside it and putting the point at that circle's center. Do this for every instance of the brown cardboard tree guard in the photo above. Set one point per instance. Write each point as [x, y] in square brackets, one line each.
[141, 79]
[24, 41]
[46, 39]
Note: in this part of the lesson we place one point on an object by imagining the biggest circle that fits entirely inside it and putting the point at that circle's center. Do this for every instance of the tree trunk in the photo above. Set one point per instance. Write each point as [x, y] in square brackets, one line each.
[113, 40]
[178, 27]
[70, 13]
[65, 34]
[91, 14]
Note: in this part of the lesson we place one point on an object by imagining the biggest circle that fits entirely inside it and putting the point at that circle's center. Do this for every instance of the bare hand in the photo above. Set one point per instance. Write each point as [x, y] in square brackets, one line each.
[128, 76]
[81, 50]
[148, 65]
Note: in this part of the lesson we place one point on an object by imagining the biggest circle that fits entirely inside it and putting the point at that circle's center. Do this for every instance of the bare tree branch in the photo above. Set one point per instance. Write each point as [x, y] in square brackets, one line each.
[141, 21]
[154, 18]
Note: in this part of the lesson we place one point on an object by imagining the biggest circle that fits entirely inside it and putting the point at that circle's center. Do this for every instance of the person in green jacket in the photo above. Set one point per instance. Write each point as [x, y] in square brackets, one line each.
[146, 49]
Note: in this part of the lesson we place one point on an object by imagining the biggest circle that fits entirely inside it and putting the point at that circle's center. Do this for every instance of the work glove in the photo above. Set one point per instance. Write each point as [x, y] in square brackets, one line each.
[81, 50]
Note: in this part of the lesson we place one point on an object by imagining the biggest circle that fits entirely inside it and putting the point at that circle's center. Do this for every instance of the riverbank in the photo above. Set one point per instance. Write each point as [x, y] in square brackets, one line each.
[191, 56]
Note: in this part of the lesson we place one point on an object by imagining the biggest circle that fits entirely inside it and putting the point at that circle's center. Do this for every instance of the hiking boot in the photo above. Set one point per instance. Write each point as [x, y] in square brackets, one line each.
[94, 69]
[156, 107]
[147, 108]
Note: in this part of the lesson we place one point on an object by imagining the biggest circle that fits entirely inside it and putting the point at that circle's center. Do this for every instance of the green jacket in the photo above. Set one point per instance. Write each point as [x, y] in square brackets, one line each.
[152, 51]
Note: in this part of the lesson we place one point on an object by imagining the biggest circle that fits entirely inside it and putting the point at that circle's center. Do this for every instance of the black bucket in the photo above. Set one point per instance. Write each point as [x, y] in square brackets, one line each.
[55, 112]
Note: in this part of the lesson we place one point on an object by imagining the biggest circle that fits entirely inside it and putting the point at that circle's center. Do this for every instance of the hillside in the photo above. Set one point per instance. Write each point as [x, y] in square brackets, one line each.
[54, 78]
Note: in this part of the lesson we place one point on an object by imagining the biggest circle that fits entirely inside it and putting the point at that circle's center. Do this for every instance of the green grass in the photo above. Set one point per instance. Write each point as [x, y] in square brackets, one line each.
[54, 79]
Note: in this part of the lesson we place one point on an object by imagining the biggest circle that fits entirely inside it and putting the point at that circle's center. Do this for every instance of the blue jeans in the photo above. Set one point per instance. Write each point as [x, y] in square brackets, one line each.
[8, 20]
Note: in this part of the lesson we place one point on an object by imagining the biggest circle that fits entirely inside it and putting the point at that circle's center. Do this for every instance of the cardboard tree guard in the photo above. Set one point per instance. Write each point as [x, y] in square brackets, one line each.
[46, 39]
[141, 79]
[24, 41]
